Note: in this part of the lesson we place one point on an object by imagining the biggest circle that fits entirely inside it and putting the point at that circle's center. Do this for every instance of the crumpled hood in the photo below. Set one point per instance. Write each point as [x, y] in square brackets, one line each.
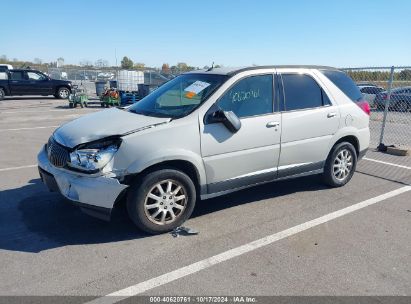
[102, 124]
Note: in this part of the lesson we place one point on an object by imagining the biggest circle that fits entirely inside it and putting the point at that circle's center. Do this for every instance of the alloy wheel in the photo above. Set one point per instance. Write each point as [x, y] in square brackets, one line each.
[165, 202]
[343, 164]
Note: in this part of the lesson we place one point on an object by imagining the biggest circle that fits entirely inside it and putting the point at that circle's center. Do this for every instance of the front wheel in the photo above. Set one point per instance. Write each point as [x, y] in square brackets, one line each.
[62, 93]
[161, 201]
[340, 165]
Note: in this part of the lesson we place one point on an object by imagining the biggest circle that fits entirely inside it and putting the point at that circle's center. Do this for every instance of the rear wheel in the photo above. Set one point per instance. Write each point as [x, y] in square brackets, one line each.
[340, 165]
[161, 201]
[2, 93]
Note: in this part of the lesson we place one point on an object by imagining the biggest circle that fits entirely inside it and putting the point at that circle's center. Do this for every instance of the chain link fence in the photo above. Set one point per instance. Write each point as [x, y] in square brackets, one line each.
[388, 91]
[88, 77]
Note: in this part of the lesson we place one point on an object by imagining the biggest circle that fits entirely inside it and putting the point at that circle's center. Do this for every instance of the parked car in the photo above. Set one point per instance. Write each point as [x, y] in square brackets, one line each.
[207, 133]
[369, 92]
[4, 67]
[32, 82]
[400, 99]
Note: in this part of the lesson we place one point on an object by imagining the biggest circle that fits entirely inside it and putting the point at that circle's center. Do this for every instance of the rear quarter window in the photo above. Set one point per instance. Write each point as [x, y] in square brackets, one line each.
[344, 83]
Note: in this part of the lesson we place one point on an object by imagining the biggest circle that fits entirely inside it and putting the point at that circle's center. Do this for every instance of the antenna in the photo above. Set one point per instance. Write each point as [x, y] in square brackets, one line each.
[212, 67]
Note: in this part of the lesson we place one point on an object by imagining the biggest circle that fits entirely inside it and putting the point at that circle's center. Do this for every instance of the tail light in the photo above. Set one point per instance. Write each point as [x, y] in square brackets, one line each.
[364, 105]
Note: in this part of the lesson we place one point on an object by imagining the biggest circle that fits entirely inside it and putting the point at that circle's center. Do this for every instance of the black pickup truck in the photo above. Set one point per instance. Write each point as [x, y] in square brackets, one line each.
[31, 82]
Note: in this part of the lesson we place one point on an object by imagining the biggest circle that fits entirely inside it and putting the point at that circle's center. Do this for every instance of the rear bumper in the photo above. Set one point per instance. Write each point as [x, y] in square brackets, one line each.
[94, 195]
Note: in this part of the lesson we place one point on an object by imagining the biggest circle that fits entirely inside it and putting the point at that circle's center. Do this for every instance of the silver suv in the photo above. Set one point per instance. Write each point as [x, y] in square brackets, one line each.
[207, 133]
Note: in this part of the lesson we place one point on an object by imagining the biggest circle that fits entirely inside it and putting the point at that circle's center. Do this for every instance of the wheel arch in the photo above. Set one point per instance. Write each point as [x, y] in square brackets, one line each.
[6, 91]
[58, 87]
[352, 139]
[182, 165]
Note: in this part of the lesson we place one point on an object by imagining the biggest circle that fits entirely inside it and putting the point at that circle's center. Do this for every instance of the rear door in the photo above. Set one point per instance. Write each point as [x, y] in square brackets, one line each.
[250, 156]
[309, 120]
[17, 82]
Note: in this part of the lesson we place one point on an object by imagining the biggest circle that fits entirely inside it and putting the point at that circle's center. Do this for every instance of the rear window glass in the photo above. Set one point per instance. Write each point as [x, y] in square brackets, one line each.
[344, 83]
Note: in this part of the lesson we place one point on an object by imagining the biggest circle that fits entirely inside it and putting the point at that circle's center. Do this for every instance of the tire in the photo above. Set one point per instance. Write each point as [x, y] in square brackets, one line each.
[71, 105]
[62, 93]
[340, 165]
[2, 94]
[145, 192]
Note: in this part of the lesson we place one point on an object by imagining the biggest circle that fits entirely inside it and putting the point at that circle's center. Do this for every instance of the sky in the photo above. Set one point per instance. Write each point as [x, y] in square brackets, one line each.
[340, 33]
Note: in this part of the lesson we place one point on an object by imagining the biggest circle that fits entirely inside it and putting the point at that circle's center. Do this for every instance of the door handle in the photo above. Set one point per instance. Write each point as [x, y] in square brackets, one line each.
[330, 115]
[272, 124]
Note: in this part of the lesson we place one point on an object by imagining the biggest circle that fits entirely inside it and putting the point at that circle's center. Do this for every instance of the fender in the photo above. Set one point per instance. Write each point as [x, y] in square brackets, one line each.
[163, 155]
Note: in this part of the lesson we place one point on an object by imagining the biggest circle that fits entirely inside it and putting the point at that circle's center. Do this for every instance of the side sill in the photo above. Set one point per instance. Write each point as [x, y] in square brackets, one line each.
[216, 194]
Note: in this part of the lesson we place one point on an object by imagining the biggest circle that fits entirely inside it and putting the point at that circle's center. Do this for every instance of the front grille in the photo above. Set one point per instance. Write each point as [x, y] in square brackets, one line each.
[57, 154]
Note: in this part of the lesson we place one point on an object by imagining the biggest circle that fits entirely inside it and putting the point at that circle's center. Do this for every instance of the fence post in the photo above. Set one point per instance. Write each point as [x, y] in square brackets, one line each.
[381, 146]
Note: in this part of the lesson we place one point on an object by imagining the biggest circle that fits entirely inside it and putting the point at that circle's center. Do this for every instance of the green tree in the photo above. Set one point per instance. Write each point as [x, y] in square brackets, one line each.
[127, 63]
[139, 66]
[404, 75]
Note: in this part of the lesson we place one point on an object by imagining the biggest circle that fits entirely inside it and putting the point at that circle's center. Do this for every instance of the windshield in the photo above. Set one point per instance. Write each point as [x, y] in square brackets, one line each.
[180, 96]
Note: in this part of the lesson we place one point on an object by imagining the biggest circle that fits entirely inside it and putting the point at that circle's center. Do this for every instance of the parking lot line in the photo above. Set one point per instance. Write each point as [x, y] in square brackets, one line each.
[235, 252]
[17, 168]
[386, 163]
[61, 111]
[32, 128]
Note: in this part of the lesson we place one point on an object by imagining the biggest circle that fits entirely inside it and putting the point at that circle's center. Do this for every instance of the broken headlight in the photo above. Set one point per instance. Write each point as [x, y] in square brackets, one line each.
[95, 157]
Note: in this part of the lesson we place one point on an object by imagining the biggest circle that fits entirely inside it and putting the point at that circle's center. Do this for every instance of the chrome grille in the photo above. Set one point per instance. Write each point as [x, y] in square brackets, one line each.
[57, 154]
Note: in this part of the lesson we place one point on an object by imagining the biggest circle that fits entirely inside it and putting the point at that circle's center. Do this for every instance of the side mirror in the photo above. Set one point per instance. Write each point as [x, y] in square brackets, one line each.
[227, 118]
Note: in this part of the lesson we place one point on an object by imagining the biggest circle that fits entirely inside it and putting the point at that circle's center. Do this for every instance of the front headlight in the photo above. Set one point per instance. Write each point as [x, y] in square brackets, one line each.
[92, 160]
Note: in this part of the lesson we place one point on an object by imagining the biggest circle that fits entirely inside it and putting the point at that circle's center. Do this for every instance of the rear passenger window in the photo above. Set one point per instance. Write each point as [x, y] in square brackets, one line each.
[249, 97]
[302, 92]
[17, 75]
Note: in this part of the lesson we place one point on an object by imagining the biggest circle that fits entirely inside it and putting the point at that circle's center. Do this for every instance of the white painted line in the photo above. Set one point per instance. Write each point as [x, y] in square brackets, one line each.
[386, 163]
[32, 128]
[235, 252]
[62, 111]
[17, 168]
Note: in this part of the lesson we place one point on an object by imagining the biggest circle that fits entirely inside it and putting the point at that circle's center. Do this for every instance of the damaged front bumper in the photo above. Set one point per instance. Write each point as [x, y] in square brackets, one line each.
[95, 195]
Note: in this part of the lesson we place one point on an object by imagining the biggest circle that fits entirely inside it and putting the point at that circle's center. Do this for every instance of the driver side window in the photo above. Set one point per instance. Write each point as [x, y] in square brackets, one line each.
[250, 96]
[35, 76]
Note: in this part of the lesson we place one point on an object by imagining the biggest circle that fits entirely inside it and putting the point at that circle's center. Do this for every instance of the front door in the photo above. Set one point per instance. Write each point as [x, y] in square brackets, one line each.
[250, 156]
[38, 84]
